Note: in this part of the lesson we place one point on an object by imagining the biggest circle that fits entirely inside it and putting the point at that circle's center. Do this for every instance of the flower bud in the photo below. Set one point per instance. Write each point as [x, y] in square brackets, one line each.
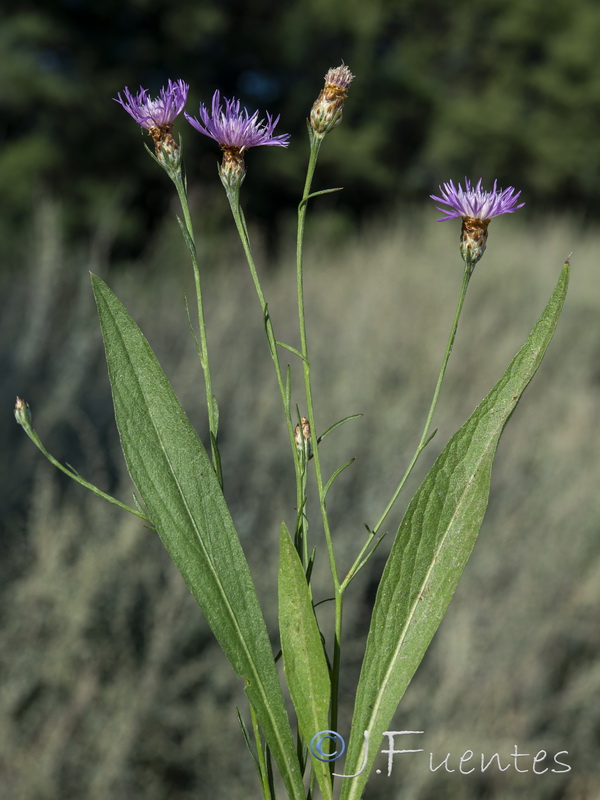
[327, 109]
[23, 413]
[302, 437]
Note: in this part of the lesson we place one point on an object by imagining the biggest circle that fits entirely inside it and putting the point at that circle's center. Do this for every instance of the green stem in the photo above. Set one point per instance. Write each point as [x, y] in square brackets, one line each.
[213, 416]
[238, 216]
[315, 144]
[78, 479]
[359, 562]
[425, 438]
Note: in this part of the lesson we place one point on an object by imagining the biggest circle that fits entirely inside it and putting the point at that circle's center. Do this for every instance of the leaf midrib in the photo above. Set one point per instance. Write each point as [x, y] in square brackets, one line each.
[250, 659]
[392, 661]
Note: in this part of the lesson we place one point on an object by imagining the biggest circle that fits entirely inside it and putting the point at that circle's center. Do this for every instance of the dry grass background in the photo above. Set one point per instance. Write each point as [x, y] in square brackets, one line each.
[112, 686]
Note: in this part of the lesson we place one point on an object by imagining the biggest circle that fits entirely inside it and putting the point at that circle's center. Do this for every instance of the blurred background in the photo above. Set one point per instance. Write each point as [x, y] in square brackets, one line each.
[112, 686]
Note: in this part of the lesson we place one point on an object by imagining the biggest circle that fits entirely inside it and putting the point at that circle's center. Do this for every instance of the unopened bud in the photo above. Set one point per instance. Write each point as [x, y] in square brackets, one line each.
[302, 437]
[473, 239]
[327, 109]
[23, 413]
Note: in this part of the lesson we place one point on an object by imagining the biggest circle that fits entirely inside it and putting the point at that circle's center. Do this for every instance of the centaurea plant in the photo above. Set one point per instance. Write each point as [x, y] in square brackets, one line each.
[181, 489]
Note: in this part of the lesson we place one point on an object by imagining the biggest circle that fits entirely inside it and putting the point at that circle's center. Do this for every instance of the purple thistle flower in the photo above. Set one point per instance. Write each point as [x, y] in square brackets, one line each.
[476, 202]
[159, 112]
[476, 207]
[235, 129]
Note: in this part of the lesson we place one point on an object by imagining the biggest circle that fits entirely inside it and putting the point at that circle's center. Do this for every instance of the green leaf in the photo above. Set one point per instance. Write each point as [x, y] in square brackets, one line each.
[431, 549]
[303, 656]
[246, 736]
[338, 471]
[291, 349]
[335, 425]
[180, 490]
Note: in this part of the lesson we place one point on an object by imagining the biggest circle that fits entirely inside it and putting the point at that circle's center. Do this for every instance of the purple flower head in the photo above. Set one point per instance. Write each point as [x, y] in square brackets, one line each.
[159, 112]
[475, 202]
[234, 129]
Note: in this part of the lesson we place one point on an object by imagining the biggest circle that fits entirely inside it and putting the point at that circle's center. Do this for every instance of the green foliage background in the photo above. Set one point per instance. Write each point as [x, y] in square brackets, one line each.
[506, 89]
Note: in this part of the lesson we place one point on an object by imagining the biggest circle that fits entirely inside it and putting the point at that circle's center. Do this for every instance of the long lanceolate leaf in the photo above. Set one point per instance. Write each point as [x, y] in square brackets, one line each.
[303, 656]
[431, 549]
[180, 490]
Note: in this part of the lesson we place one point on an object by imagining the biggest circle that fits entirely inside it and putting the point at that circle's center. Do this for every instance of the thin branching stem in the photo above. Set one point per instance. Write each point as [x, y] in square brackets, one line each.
[78, 479]
[240, 223]
[425, 438]
[213, 415]
[315, 142]
[261, 760]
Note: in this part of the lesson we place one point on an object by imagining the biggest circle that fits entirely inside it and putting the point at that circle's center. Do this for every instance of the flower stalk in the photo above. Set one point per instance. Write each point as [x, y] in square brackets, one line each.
[476, 207]
[236, 131]
[315, 146]
[23, 417]
[157, 116]
[325, 115]
[202, 345]
[425, 437]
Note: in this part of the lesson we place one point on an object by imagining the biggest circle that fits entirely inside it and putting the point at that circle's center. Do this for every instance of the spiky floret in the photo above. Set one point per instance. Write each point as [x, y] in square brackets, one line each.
[155, 112]
[475, 202]
[234, 128]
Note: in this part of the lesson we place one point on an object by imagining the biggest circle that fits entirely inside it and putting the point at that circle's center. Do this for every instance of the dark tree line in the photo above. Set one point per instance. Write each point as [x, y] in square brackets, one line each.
[503, 88]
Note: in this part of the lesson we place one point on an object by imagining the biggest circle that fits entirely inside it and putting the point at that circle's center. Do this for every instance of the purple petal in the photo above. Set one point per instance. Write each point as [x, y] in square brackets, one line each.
[156, 112]
[475, 201]
[235, 128]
